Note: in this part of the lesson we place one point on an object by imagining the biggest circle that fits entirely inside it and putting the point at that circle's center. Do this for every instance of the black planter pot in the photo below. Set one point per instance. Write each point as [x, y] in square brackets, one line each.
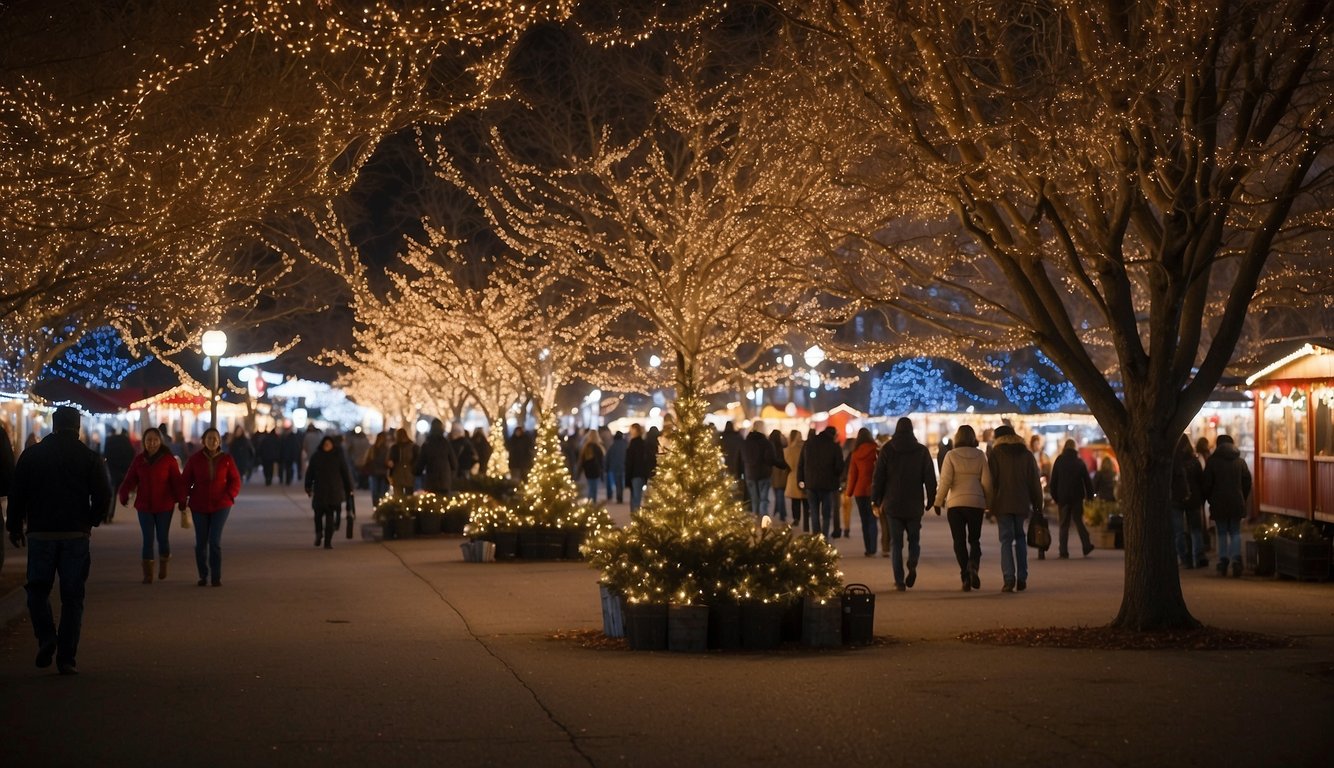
[507, 544]
[1260, 557]
[793, 611]
[528, 544]
[725, 626]
[428, 525]
[688, 628]
[404, 527]
[761, 625]
[574, 538]
[454, 520]
[550, 543]
[646, 626]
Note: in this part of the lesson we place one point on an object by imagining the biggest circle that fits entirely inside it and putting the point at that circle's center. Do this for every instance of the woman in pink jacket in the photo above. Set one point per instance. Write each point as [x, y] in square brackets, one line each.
[155, 479]
[211, 484]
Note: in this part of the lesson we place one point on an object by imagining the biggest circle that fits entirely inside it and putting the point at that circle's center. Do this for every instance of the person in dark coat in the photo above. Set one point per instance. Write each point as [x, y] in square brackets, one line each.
[268, 451]
[464, 455]
[6, 477]
[1227, 487]
[778, 476]
[521, 449]
[1187, 505]
[289, 456]
[482, 448]
[1016, 496]
[616, 467]
[758, 460]
[637, 466]
[819, 472]
[119, 453]
[328, 484]
[60, 492]
[903, 487]
[437, 462]
[401, 463]
[243, 453]
[1070, 486]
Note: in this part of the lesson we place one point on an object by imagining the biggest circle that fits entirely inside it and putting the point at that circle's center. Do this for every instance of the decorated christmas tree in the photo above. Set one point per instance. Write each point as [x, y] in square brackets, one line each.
[549, 498]
[694, 542]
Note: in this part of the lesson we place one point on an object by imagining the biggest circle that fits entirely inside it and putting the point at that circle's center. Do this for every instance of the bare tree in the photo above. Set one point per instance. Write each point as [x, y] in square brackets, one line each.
[1116, 183]
[674, 206]
[146, 144]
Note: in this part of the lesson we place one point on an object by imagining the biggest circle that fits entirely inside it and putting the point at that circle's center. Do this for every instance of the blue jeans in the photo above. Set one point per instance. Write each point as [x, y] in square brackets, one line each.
[780, 503]
[637, 492]
[897, 527]
[870, 523]
[1189, 543]
[153, 524]
[615, 485]
[379, 489]
[1014, 548]
[1229, 539]
[208, 543]
[759, 495]
[70, 559]
[593, 484]
[822, 509]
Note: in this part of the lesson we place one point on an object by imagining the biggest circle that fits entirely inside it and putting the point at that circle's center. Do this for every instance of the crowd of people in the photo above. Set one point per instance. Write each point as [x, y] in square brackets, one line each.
[58, 489]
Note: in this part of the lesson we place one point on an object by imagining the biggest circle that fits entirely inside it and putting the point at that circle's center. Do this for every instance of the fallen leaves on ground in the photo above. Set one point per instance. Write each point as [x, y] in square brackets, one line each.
[1113, 638]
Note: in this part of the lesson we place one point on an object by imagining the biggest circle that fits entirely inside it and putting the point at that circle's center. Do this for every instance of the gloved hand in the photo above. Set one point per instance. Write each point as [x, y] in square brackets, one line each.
[937, 510]
[18, 539]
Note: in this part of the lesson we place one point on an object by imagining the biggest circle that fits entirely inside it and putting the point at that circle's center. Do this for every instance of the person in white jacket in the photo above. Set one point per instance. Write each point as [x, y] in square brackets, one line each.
[965, 492]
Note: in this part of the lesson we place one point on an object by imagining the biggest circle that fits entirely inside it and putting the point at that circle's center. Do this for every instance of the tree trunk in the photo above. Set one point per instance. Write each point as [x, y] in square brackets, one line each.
[1152, 598]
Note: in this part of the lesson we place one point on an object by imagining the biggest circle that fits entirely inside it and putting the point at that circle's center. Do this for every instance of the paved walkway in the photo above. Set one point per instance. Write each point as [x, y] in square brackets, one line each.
[402, 654]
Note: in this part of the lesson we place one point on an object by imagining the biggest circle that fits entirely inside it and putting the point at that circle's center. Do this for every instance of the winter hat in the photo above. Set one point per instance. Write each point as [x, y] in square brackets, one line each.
[66, 418]
[1223, 439]
[1003, 430]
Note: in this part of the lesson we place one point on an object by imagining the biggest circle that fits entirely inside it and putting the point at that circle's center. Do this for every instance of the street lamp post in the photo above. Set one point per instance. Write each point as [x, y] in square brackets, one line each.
[215, 346]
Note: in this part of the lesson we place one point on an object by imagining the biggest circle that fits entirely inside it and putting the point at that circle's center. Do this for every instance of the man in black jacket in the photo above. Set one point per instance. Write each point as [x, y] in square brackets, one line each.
[60, 493]
[903, 486]
[1069, 486]
[819, 472]
[758, 459]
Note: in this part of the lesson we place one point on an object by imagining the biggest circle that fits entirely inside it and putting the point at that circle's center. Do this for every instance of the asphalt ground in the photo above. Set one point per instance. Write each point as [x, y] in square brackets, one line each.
[399, 653]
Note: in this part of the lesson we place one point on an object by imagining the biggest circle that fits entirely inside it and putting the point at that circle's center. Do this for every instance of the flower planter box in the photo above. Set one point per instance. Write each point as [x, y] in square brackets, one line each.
[1302, 560]
[1260, 557]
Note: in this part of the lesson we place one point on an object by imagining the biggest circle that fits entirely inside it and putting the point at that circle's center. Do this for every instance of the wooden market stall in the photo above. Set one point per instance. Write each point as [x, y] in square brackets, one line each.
[1294, 426]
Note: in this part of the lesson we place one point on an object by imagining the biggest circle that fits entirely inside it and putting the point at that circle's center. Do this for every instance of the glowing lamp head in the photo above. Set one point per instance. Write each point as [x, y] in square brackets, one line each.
[214, 343]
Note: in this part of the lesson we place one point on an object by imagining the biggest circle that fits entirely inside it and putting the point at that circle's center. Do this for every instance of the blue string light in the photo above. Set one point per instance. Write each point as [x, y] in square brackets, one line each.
[99, 360]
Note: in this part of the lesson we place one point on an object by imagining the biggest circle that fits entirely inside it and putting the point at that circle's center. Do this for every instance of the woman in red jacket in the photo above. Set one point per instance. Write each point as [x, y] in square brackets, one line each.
[155, 479]
[211, 483]
[861, 469]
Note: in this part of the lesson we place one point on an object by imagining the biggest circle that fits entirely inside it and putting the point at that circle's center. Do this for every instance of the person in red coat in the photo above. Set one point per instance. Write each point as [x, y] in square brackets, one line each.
[155, 479]
[211, 485]
[861, 471]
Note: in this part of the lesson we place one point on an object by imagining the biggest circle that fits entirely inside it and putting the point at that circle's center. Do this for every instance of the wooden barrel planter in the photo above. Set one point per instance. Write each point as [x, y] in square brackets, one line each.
[1302, 559]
